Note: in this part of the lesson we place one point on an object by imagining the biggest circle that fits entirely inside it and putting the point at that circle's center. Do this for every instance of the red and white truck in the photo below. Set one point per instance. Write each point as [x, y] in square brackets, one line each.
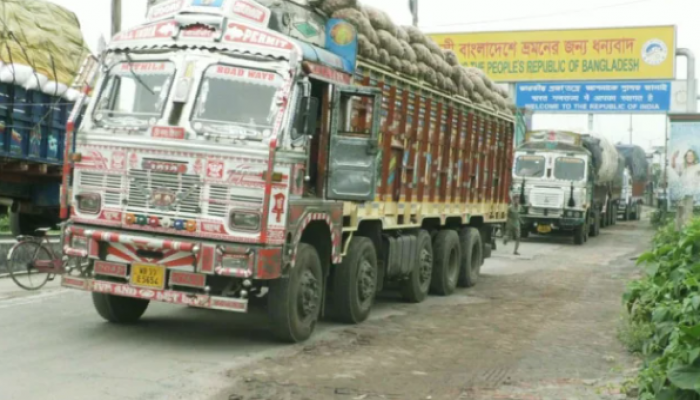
[222, 161]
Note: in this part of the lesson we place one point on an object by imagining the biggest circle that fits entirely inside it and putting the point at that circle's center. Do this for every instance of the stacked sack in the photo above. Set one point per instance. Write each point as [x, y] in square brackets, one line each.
[407, 50]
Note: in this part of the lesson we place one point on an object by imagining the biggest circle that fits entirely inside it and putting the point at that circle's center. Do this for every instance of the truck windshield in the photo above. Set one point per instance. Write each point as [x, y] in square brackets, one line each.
[530, 166]
[134, 92]
[236, 101]
[569, 169]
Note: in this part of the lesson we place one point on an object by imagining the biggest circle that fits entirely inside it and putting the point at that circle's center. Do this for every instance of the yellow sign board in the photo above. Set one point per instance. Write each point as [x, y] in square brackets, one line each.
[567, 55]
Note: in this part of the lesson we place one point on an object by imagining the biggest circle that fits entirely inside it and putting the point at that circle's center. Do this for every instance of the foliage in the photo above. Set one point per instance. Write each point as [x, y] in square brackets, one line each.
[4, 223]
[667, 297]
[633, 334]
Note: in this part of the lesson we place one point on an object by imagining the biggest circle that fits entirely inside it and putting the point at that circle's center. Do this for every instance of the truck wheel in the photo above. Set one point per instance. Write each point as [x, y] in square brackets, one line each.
[613, 217]
[355, 282]
[595, 225]
[488, 250]
[295, 301]
[628, 213]
[415, 288]
[117, 309]
[579, 235]
[446, 261]
[472, 257]
[524, 233]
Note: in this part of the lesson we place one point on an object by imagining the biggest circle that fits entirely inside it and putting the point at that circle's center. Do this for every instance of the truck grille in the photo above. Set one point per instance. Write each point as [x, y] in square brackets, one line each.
[223, 198]
[110, 185]
[546, 200]
[142, 181]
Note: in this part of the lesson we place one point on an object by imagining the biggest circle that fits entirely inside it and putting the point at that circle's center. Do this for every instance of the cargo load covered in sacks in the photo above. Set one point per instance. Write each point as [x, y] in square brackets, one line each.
[41, 56]
[307, 153]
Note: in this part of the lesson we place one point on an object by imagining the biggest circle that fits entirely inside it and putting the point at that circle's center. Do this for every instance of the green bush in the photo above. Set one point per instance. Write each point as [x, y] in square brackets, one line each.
[4, 223]
[667, 299]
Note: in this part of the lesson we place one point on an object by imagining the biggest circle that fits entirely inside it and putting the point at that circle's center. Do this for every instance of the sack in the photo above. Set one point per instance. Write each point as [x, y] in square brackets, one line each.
[331, 6]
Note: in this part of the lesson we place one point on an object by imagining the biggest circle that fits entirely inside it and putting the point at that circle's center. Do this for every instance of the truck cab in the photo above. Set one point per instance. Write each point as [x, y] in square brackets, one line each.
[552, 175]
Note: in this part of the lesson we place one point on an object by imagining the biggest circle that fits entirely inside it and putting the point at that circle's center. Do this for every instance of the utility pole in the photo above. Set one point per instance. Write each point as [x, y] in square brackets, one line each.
[413, 6]
[631, 127]
[116, 16]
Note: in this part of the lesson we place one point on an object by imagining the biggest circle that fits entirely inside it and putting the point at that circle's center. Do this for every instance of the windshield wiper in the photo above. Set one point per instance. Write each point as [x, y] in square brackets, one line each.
[137, 76]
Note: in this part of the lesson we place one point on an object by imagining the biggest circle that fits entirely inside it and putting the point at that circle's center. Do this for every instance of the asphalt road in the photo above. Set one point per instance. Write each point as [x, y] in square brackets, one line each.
[54, 346]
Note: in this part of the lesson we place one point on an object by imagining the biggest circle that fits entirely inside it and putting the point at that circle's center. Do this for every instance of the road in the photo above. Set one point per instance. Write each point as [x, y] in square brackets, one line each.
[54, 346]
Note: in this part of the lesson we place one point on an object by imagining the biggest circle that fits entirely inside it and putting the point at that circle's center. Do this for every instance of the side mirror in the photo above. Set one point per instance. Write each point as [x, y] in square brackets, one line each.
[306, 121]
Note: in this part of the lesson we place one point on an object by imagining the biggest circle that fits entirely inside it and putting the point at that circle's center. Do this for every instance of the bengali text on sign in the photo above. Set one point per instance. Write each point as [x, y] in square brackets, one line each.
[572, 55]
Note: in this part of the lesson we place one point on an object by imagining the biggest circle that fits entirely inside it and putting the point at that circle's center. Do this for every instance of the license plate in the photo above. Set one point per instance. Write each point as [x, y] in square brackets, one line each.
[544, 228]
[149, 276]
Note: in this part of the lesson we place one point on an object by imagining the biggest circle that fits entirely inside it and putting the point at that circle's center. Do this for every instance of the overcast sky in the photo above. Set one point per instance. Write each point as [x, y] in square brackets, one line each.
[500, 15]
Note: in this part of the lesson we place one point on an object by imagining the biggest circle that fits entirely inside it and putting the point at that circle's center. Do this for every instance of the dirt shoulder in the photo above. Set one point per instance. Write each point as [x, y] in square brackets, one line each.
[539, 327]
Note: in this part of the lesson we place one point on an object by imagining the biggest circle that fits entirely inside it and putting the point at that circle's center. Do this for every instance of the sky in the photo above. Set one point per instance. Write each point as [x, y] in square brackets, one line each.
[500, 15]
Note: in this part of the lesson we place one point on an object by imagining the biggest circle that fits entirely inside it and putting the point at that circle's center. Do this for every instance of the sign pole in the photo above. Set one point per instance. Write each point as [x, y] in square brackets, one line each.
[116, 16]
[413, 5]
[631, 127]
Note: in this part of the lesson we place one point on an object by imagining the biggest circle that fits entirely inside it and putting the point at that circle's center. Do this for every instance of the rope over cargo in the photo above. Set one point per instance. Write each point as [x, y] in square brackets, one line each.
[42, 47]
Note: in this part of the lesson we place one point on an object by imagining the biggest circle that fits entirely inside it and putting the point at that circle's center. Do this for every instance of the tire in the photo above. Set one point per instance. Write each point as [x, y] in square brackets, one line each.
[524, 233]
[488, 250]
[627, 215]
[446, 263]
[580, 235]
[415, 288]
[19, 265]
[472, 257]
[604, 220]
[355, 282]
[614, 215]
[119, 310]
[595, 227]
[294, 302]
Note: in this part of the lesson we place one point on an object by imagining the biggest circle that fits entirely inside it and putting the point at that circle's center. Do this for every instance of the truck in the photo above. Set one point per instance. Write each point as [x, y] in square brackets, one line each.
[567, 183]
[224, 161]
[635, 182]
[36, 99]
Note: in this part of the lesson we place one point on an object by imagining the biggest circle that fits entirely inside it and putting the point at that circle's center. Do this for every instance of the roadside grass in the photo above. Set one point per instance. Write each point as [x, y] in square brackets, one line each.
[633, 334]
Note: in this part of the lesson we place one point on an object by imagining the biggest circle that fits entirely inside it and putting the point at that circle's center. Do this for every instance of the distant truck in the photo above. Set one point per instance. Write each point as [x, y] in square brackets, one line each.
[568, 183]
[35, 104]
[635, 181]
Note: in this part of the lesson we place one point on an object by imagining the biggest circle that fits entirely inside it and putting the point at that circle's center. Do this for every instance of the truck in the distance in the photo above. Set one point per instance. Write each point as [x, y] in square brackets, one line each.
[36, 100]
[567, 182]
[636, 180]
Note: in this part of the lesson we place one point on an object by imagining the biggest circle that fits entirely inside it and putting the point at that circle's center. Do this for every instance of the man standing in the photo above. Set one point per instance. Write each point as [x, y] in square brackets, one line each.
[513, 224]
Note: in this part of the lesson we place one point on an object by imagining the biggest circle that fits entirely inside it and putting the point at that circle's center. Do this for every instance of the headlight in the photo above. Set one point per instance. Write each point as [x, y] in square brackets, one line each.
[249, 221]
[79, 243]
[89, 203]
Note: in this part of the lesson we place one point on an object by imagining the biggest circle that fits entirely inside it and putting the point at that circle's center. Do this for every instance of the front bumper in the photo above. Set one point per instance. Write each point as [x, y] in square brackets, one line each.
[557, 223]
[237, 260]
[196, 273]
[164, 296]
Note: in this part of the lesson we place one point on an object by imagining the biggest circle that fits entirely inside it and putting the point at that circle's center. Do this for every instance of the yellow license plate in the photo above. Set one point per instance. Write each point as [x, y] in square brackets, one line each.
[149, 276]
[544, 228]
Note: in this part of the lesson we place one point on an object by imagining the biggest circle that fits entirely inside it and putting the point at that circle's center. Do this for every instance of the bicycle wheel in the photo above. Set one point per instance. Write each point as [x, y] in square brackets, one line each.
[21, 265]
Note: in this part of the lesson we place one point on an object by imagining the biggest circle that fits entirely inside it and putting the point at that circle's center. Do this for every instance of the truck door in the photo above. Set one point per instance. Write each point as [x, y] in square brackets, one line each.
[354, 144]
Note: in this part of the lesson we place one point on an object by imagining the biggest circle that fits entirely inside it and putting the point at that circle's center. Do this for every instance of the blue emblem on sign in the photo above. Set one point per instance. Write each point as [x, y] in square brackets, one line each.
[341, 40]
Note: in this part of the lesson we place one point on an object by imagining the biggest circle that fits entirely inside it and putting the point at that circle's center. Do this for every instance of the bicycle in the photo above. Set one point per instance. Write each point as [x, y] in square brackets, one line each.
[32, 261]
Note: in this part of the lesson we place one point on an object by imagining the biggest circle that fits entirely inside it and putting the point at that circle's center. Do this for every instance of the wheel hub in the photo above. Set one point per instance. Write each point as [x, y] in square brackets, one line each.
[366, 282]
[308, 295]
[426, 266]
